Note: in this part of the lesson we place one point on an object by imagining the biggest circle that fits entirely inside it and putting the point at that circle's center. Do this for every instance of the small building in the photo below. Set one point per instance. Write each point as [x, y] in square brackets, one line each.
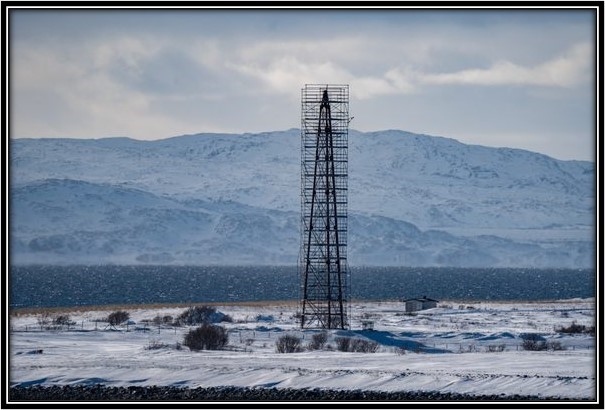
[367, 324]
[413, 305]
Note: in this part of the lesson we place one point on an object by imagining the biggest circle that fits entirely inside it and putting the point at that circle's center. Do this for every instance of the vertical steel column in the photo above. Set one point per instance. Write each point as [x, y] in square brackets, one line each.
[324, 162]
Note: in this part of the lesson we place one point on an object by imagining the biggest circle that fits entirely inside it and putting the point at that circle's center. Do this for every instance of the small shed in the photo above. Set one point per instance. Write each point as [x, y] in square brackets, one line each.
[413, 305]
[367, 324]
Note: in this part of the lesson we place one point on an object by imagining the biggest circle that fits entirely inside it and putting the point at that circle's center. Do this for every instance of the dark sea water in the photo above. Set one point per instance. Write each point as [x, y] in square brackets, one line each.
[53, 286]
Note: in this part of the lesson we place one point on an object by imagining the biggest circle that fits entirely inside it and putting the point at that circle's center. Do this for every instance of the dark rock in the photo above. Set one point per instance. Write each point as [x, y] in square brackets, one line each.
[230, 393]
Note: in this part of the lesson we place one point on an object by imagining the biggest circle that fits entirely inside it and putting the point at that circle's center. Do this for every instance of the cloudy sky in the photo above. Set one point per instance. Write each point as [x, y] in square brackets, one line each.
[516, 78]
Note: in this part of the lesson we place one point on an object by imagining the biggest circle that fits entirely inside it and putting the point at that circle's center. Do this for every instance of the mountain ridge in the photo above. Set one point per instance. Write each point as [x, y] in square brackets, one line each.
[469, 205]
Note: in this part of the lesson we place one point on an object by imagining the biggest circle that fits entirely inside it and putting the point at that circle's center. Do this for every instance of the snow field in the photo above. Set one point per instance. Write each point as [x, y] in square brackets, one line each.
[446, 349]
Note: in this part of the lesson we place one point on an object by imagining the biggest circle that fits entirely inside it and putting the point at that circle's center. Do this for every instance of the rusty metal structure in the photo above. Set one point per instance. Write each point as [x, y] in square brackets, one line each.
[323, 269]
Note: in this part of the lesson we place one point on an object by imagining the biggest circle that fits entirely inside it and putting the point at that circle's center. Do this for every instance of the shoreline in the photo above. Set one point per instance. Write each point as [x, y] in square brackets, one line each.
[24, 311]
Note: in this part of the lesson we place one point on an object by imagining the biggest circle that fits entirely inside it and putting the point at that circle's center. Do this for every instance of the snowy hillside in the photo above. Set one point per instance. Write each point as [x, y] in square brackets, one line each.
[414, 200]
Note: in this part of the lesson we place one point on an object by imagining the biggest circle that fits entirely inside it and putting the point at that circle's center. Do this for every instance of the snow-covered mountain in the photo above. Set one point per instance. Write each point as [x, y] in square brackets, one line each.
[414, 200]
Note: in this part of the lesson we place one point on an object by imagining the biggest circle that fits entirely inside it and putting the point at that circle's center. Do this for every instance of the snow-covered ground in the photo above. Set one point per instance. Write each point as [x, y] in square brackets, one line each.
[463, 347]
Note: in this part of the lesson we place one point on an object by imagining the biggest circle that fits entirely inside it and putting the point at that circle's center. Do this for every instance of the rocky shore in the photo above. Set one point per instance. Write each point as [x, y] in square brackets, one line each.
[100, 392]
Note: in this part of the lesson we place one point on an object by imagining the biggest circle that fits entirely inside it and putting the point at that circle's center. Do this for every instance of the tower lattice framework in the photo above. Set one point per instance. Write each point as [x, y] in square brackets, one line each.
[324, 172]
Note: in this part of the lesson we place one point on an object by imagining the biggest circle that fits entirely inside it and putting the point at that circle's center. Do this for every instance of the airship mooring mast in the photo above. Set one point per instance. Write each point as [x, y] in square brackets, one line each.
[324, 172]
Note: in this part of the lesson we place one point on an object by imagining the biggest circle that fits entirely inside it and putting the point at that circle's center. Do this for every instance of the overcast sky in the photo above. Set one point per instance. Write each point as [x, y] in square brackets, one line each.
[521, 79]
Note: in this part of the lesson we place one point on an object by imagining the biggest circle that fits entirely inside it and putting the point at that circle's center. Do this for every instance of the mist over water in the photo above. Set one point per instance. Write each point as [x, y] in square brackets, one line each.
[54, 286]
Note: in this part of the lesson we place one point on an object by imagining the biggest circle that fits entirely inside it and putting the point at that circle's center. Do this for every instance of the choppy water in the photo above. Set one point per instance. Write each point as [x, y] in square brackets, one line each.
[51, 286]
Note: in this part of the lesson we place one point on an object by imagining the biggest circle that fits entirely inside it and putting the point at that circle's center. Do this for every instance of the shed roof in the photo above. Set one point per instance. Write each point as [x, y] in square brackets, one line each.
[422, 299]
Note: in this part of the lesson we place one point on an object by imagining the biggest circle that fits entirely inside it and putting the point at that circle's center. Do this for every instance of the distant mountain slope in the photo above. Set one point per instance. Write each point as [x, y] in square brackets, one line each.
[414, 200]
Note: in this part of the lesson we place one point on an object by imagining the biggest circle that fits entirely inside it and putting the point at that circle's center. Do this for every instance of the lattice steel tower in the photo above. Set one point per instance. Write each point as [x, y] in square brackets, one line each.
[323, 255]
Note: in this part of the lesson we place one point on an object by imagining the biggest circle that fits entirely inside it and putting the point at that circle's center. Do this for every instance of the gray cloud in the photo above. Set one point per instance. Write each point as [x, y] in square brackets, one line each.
[567, 70]
[155, 75]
